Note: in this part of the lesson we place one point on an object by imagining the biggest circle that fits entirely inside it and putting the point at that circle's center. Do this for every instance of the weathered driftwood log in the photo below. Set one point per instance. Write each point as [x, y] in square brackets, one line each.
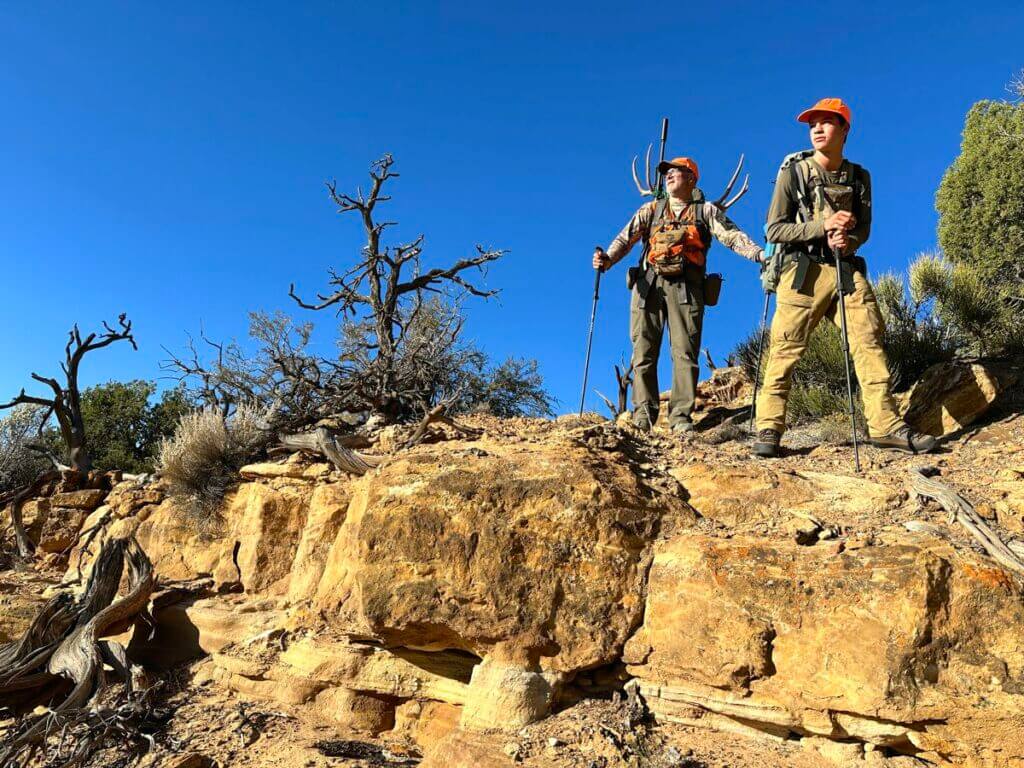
[322, 441]
[63, 647]
[336, 447]
[962, 511]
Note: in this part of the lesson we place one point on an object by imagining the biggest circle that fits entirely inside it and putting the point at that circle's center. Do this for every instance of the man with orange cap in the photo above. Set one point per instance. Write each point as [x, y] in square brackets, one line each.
[668, 286]
[822, 204]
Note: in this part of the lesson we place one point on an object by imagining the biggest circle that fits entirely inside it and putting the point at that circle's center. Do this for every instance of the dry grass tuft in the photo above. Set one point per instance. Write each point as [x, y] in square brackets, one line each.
[201, 460]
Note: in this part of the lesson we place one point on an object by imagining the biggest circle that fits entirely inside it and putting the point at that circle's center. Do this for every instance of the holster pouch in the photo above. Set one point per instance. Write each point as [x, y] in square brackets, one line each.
[638, 278]
[712, 289]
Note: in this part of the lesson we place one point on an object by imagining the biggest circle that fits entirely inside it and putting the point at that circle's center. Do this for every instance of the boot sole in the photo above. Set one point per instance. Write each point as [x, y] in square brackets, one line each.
[765, 451]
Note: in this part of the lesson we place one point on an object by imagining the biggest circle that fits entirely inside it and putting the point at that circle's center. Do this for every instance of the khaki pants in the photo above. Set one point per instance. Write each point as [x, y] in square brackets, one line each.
[682, 307]
[797, 314]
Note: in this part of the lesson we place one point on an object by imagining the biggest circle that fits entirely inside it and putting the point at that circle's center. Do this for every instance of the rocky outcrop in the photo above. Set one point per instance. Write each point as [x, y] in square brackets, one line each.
[951, 397]
[907, 645]
[473, 585]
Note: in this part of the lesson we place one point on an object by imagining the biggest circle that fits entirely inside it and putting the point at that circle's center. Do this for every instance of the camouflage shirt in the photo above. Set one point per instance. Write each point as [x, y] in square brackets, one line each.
[721, 226]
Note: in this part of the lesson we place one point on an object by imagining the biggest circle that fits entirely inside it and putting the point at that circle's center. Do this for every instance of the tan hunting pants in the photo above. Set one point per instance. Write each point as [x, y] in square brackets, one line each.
[797, 314]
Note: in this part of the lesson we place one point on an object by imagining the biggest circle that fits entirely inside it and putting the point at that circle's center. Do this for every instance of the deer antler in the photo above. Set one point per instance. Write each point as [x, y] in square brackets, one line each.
[722, 202]
[645, 191]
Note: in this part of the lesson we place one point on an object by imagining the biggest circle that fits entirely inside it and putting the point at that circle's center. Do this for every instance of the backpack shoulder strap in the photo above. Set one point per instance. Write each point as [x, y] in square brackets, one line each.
[659, 213]
[857, 180]
[800, 179]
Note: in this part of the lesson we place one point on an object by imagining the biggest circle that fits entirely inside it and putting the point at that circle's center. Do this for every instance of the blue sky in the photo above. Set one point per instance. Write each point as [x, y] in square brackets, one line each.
[168, 160]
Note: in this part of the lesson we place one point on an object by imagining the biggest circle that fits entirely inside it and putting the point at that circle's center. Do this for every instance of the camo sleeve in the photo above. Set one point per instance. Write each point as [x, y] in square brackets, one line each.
[731, 236]
[631, 233]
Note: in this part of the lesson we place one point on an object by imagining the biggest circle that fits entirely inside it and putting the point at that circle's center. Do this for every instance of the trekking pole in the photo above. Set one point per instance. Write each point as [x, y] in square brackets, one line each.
[846, 354]
[760, 355]
[590, 333]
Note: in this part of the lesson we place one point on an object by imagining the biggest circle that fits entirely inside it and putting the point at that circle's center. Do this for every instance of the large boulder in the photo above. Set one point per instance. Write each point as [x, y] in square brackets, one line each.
[905, 645]
[542, 548]
[951, 396]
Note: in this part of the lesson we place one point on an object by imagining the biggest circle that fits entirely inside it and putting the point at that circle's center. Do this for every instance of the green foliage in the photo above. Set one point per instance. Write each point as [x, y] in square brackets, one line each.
[514, 388]
[981, 197]
[915, 338]
[981, 316]
[124, 428]
[200, 461]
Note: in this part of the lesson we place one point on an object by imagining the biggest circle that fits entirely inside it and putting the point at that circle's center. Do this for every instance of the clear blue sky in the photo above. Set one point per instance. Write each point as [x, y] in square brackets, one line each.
[168, 160]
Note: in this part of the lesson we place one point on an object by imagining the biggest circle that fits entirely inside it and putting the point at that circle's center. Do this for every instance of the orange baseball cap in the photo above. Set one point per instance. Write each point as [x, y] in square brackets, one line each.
[833, 105]
[679, 162]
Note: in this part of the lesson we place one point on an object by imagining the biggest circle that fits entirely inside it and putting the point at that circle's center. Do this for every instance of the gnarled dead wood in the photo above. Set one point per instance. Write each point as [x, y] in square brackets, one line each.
[63, 645]
[438, 414]
[922, 484]
[322, 441]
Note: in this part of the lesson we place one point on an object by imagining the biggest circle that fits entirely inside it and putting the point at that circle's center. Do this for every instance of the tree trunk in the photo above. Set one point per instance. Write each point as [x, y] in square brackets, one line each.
[63, 644]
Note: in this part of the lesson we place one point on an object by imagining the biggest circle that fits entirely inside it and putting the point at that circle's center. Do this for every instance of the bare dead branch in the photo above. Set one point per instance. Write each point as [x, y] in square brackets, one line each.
[922, 484]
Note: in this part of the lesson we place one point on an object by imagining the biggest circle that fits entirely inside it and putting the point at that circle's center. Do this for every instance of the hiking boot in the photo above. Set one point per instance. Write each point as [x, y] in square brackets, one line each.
[905, 439]
[682, 428]
[642, 424]
[767, 444]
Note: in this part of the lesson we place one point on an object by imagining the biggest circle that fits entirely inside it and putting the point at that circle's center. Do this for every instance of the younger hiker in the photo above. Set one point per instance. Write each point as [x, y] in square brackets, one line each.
[823, 202]
[669, 286]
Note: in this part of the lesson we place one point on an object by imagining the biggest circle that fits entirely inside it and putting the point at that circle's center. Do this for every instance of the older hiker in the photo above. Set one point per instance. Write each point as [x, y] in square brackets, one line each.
[669, 286]
[822, 203]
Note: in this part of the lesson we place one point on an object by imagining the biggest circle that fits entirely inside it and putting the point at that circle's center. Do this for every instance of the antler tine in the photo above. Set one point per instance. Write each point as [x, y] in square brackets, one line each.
[647, 173]
[728, 187]
[636, 179]
[647, 168]
[738, 195]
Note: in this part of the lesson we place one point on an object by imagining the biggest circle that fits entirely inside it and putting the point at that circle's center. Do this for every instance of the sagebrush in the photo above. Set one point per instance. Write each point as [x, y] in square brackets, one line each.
[200, 462]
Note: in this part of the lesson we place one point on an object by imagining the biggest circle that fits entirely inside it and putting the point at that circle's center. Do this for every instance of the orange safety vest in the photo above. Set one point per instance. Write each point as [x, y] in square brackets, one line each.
[675, 242]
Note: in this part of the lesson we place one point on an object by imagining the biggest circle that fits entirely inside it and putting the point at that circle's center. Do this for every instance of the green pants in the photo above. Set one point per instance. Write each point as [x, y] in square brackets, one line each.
[681, 304]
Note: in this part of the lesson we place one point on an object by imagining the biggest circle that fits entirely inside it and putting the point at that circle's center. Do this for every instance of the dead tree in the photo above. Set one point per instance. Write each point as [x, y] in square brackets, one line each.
[623, 378]
[60, 659]
[383, 295]
[65, 404]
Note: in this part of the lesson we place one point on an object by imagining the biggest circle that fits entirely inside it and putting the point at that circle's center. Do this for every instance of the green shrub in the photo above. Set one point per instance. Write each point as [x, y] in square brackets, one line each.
[982, 317]
[981, 198]
[915, 338]
[200, 462]
[124, 428]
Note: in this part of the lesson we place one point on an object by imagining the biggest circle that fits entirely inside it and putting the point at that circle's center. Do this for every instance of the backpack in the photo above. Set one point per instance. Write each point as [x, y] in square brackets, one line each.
[775, 254]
